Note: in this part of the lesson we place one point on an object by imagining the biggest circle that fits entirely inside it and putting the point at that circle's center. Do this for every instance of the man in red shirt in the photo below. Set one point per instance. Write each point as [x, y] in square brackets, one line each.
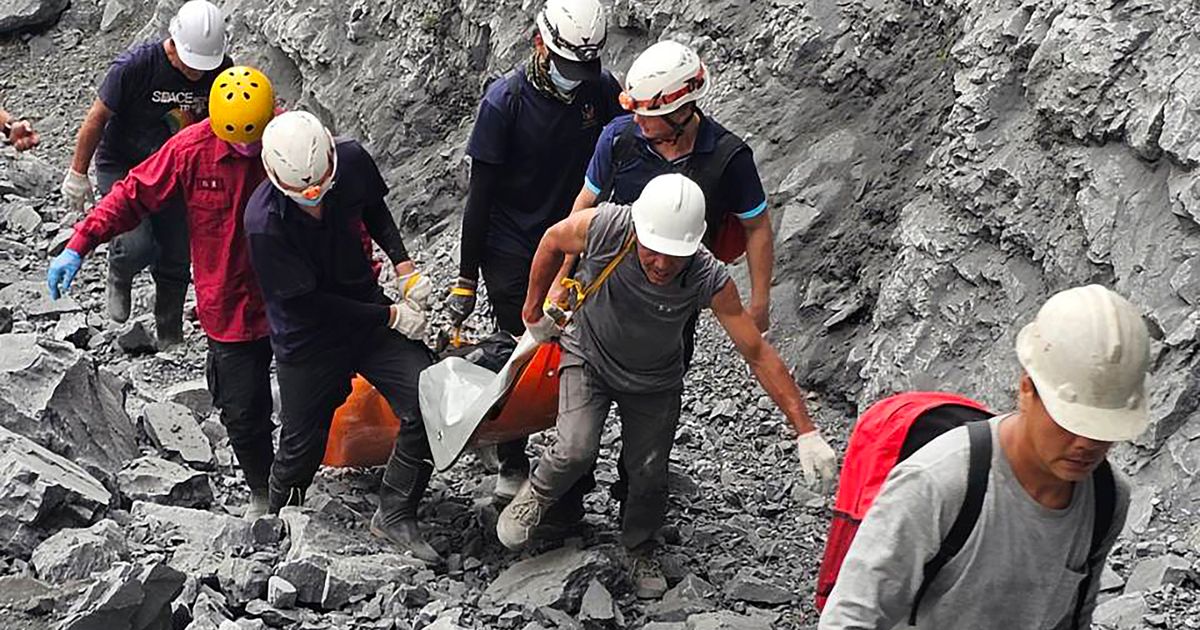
[214, 167]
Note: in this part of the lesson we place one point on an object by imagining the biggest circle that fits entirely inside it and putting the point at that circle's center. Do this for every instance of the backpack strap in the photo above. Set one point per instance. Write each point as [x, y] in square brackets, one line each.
[1105, 489]
[978, 469]
[624, 149]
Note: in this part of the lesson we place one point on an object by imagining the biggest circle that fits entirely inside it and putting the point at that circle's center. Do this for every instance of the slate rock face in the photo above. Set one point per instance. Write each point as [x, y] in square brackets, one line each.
[18, 15]
[127, 596]
[160, 481]
[73, 554]
[557, 578]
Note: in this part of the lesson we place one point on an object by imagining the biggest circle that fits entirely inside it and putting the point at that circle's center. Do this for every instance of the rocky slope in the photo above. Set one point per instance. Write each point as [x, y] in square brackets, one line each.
[936, 168]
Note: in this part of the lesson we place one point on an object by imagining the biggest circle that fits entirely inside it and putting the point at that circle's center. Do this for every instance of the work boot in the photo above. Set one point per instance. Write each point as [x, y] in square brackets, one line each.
[521, 516]
[279, 497]
[647, 575]
[404, 481]
[168, 312]
[117, 292]
[508, 483]
[260, 504]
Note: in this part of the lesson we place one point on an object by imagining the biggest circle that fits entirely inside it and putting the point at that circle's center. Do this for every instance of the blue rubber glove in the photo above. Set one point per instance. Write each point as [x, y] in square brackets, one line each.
[62, 271]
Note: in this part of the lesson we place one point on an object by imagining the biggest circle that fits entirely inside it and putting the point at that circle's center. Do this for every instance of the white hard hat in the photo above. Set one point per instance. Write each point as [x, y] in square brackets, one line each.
[299, 156]
[575, 31]
[200, 35]
[668, 217]
[1087, 352]
[664, 78]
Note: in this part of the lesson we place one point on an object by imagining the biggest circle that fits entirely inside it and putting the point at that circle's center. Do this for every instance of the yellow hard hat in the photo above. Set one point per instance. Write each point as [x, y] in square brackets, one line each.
[240, 104]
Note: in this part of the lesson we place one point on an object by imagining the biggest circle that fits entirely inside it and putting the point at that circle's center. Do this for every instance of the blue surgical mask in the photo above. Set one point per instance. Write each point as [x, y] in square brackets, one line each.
[564, 85]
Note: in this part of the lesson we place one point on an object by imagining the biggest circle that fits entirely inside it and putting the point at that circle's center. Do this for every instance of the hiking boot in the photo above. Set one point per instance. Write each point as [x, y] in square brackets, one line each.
[117, 293]
[404, 481]
[647, 576]
[168, 312]
[508, 483]
[279, 497]
[260, 504]
[520, 517]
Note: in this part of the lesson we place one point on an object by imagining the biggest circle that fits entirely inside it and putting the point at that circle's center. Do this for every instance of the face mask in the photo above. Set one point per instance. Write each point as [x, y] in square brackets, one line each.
[301, 200]
[564, 85]
[254, 149]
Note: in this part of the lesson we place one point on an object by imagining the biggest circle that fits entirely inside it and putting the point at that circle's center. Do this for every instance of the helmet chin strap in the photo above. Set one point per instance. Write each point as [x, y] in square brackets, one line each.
[678, 128]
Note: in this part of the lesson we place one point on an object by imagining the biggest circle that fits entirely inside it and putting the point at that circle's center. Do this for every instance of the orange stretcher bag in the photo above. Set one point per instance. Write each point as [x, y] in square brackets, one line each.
[363, 429]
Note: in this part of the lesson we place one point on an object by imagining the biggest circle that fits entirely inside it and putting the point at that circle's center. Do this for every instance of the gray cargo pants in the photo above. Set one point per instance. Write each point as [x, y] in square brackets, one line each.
[647, 434]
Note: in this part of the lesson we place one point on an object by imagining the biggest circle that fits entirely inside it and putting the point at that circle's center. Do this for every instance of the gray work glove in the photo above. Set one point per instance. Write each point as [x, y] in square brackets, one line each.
[818, 461]
[76, 190]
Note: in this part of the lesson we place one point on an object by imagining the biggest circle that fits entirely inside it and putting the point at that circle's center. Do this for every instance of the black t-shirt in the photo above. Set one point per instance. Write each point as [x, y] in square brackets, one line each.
[543, 146]
[297, 256]
[151, 101]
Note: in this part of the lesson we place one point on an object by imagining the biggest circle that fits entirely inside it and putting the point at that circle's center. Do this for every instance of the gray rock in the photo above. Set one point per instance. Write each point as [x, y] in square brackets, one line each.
[665, 625]
[351, 577]
[115, 12]
[243, 579]
[53, 394]
[19, 592]
[1110, 580]
[690, 596]
[280, 593]
[597, 603]
[557, 578]
[1154, 573]
[160, 481]
[127, 596]
[204, 539]
[173, 429]
[30, 296]
[135, 340]
[192, 394]
[74, 329]
[1124, 612]
[41, 492]
[17, 15]
[746, 588]
[272, 616]
[23, 219]
[267, 530]
[208, 613]
[726, 620]
[75, 554]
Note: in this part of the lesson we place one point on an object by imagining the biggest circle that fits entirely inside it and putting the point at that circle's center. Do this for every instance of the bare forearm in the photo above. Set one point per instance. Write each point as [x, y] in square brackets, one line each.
[773, 375]
[546, 263]
[760, 254]
[89, 138]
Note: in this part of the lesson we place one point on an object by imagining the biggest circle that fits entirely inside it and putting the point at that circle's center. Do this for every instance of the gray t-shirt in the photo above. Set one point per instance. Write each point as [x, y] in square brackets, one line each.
[630, 331]
[1020, 568]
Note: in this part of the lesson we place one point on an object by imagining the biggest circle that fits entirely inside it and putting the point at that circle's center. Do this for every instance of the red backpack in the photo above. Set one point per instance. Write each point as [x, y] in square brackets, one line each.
[889, 432]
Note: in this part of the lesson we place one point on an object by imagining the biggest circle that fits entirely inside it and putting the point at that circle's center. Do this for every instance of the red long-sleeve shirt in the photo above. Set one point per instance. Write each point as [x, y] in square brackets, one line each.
[215, 183]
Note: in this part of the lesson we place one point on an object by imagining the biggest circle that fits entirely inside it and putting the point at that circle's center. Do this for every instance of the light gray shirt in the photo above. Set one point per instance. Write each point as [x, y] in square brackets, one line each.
[630, 331]
[1020, 568]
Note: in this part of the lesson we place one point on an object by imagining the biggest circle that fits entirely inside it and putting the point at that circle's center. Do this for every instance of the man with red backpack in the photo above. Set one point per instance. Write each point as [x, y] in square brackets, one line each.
[1004, 523]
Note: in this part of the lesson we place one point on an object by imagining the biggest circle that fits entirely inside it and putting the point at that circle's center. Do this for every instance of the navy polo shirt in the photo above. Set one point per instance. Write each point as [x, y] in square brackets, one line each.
[151, 101]
[740, 191]
[543, 146]
[315, 276]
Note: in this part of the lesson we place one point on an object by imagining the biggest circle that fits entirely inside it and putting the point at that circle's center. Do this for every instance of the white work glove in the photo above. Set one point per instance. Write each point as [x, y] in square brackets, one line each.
[818, 461]
[415, 288]
[543, 330]
[76, 190]
[407, 320]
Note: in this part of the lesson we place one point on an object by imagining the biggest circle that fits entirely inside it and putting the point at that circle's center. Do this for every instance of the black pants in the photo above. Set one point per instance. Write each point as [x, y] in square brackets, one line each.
[160, 242]
[311, 389]
[239, 379]
[507, 279]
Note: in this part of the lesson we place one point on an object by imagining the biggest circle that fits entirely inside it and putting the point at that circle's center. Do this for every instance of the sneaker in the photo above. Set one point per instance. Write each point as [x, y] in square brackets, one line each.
[520, 517]
[648, 576]
[508, 483]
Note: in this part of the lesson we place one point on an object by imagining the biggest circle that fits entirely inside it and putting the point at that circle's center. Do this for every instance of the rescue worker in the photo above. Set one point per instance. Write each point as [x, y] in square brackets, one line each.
[18, 133]
[330, 318]
[150, 93]
[1029, 562]
[625, 345]
[213, 168]
[533, 136]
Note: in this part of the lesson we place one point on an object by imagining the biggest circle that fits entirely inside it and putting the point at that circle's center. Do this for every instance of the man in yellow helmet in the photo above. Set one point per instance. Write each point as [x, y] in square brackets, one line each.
[213, 168]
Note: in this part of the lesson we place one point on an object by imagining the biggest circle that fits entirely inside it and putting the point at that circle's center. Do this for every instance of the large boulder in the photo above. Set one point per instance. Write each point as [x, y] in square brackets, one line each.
[159, 481]
[205, 539]
[173, 429]
[75, 554]
[40, 493]
[137, 597]
[17, 15]
[53, 394]
[558, 578]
